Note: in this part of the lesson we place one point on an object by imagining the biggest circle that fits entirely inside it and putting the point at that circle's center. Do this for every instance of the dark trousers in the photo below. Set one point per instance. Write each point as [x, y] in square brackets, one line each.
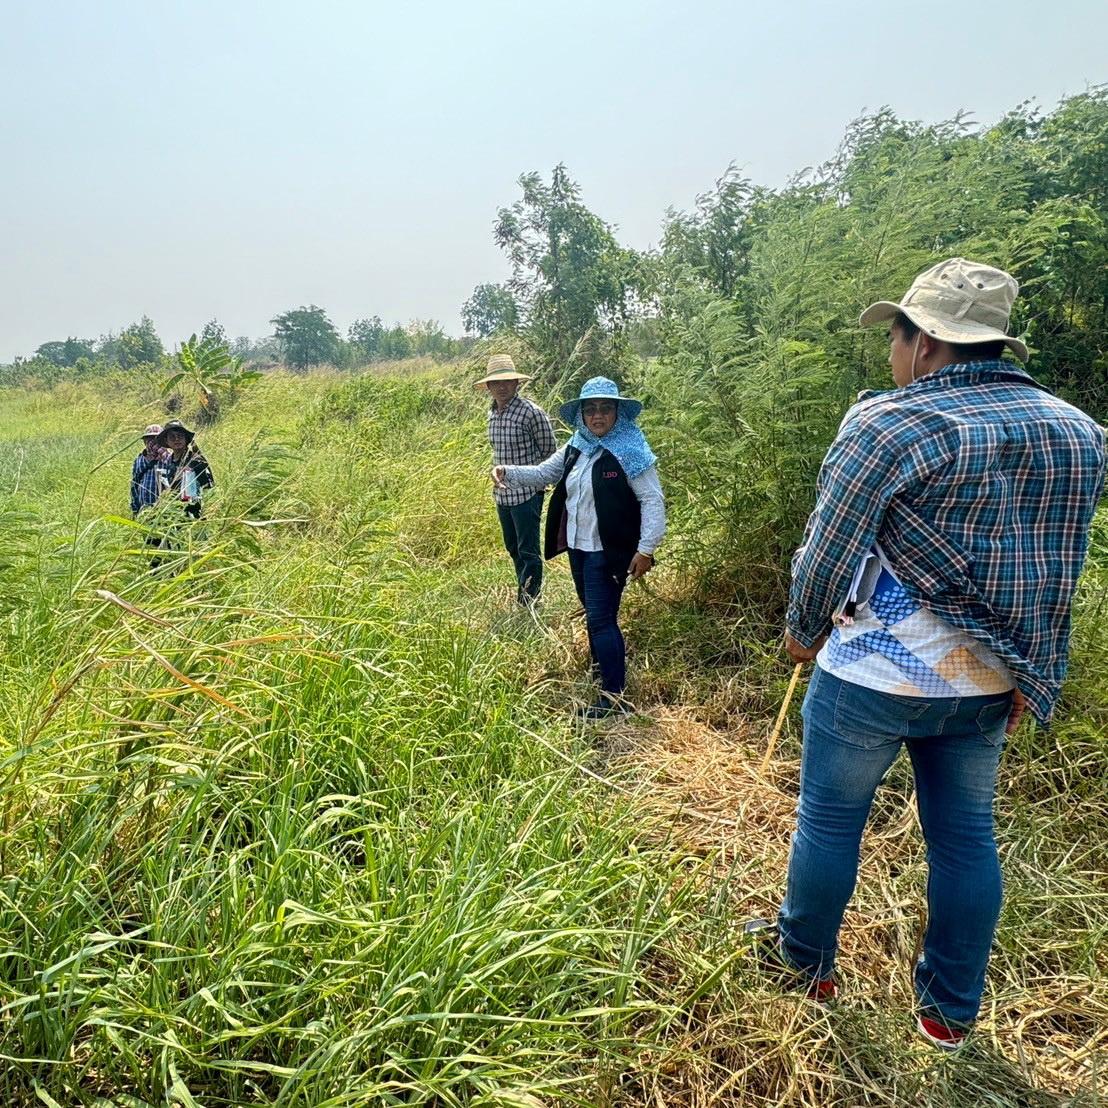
[520, 524]
[600, 592]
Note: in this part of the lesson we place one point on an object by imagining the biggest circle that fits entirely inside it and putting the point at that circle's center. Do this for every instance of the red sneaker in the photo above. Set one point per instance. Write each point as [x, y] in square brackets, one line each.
[769, 956]
[822, 990]
[939, 1033]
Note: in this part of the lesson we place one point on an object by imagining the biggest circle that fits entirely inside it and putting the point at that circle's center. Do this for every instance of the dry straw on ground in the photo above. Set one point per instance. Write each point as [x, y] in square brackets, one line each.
[1040, 1041]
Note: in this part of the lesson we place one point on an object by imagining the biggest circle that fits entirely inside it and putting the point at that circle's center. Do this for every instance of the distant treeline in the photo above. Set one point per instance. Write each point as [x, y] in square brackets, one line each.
[302, 337]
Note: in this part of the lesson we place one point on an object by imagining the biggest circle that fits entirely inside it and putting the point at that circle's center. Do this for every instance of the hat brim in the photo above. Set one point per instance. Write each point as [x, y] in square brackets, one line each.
[163, 438]
[507, 375]
[962, 333]
[628, 405]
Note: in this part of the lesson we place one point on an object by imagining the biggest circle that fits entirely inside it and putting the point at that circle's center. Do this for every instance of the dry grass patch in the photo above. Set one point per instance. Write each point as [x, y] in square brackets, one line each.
[1039, 1041]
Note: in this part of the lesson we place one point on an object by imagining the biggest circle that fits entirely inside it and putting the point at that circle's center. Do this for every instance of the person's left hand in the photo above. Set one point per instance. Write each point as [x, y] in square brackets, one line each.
[640, 565]
[1019, 706]
[800, 653]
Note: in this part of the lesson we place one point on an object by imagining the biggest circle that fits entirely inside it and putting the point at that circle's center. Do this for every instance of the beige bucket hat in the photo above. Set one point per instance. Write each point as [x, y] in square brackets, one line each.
[957, 301]
[501, 368]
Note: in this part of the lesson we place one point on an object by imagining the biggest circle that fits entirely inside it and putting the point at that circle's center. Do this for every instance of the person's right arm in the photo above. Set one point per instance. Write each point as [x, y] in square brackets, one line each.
[532, 477]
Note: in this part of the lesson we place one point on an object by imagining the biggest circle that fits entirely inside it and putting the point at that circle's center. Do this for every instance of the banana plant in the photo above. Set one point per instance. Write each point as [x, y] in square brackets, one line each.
[208, 366]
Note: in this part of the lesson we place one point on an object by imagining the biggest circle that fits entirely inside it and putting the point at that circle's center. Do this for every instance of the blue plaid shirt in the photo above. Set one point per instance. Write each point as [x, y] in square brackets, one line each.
[145, 485]
[980, 486]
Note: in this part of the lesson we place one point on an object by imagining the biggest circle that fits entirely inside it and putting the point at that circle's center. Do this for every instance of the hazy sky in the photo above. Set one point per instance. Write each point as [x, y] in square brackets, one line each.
[235, 158]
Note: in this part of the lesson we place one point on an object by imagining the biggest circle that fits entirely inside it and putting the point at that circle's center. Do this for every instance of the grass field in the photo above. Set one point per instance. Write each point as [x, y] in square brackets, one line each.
[305, 819]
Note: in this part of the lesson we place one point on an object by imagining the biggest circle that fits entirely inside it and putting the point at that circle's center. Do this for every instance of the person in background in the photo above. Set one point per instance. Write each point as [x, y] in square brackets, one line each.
[607, 510]
[148, 471]
[933, 590]
[188, 474]
[520, 434]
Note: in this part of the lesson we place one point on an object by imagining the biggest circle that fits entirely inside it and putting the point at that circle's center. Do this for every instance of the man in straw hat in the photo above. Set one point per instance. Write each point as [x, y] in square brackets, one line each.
[933, 590]
[520, 434]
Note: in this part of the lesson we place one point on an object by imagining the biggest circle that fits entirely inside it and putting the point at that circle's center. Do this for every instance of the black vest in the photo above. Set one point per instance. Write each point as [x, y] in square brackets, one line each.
[618, 515]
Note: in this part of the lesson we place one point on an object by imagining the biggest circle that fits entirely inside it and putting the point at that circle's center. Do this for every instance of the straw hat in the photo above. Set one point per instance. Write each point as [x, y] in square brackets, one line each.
[501, 368]
[957, 301]
[596, 388]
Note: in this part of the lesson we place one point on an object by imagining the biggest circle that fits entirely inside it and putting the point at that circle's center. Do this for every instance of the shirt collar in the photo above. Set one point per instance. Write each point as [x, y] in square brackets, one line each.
[507, 407]
[962, 373]
[984, 369]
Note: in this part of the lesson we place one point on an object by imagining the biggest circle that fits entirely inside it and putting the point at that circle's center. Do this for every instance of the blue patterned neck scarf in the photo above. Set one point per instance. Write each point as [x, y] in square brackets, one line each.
[625, 441]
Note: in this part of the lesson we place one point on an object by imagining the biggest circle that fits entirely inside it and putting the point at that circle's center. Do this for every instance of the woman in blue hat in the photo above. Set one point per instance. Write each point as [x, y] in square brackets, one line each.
[607, 510]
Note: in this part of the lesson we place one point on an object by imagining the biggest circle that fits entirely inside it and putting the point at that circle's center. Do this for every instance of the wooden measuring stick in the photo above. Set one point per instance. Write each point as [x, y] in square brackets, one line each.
[776, 734]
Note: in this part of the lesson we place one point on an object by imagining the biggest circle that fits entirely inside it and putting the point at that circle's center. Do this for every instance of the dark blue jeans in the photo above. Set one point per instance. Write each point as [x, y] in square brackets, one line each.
[852, 735]
[600, 591]
[520, 524]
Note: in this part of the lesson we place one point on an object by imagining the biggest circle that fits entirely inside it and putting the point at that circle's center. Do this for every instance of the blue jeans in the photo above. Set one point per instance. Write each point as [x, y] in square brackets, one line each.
[600, 591]
[520, 525]
[852, 735]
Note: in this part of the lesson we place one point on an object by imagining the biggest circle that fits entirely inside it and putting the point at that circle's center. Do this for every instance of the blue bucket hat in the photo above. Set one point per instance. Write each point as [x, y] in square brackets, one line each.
[596, 388]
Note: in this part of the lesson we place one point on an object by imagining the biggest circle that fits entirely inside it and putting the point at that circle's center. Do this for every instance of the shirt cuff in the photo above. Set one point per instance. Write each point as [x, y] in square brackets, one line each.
[807, 638]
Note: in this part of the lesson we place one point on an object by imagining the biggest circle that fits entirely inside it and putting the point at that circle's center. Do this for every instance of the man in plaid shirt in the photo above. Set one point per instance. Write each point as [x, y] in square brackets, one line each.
[520, 434]
[933, 589]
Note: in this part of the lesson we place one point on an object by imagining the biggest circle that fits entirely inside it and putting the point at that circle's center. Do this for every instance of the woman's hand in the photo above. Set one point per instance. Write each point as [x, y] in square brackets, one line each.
[497, 475]
[640, 564]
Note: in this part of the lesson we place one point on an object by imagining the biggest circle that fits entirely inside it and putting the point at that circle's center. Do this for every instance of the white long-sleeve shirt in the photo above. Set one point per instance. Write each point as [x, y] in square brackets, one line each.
[582, 529]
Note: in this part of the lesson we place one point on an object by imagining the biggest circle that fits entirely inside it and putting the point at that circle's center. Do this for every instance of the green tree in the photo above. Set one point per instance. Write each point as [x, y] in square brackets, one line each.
[490, 310]
[364, 337]
[714, 239]
[429, 339]
[307, 337]
[138, 344]
[396, 344]
[66, 353]
[572, 280]
[214, 331]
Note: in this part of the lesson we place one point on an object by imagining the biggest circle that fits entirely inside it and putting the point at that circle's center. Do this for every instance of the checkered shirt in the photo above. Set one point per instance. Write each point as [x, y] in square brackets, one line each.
[980, 487]
[520, 435]
[147, 481]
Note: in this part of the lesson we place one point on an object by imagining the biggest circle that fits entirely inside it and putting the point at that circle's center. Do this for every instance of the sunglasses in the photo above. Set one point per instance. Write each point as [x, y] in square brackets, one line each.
[601, 407]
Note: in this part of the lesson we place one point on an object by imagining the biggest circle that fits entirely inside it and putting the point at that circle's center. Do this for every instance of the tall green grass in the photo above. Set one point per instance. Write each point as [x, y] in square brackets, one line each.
[303, 817]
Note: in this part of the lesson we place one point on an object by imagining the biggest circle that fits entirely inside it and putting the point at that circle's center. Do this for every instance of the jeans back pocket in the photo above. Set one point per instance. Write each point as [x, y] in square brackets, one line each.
[869, 719]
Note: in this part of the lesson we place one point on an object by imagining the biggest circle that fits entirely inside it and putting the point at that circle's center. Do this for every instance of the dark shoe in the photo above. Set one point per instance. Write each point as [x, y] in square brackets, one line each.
[767, 951]
[603, 708]
[939, 1032]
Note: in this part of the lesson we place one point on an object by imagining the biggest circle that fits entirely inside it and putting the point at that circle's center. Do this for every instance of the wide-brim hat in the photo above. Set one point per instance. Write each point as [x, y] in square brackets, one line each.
[175, 425]
[959, 302]
[600, 388]
[501, 368]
